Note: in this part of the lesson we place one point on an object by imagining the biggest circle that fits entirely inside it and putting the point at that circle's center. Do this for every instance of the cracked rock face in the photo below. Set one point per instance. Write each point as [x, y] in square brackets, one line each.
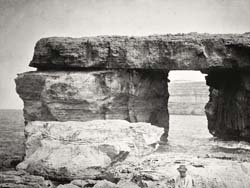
[71, 150]
[170, 52]
[136, 96]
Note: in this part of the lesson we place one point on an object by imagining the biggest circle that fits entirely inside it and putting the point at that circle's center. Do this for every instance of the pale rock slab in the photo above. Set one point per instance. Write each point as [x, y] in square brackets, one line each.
[83, 150]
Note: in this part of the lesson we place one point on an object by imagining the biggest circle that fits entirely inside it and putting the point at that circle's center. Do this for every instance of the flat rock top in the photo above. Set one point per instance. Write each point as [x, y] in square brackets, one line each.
[170, 52]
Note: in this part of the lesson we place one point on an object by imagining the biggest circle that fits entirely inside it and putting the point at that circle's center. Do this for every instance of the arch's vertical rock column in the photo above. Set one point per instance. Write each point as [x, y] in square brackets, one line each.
[228, 109]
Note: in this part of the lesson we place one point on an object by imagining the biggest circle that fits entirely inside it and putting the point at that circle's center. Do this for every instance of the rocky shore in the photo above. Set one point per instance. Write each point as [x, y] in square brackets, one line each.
[152, 165]
[96, 112]
[155, 170]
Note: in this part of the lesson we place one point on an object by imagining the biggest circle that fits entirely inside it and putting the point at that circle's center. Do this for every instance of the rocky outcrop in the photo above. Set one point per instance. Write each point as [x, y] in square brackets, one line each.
[159, 171]
[119, 77]
[136, 96]
[187, 97]
[126, 78]
[21, 179]
[229, 104]
[84, 150]
[170, 52]
[93, 183]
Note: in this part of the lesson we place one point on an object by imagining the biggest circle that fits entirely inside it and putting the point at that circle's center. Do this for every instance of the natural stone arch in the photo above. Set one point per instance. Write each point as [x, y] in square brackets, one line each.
[65, 65]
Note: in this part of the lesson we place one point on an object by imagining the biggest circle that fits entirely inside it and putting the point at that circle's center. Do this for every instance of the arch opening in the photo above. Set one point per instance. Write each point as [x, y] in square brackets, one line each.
[188, 127]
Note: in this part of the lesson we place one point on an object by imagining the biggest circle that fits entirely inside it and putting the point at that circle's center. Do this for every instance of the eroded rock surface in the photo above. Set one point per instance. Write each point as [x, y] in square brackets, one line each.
[160, 170]
[71, 150]
[136, 96]
[229, 105]
[119, 77]
[21, 179]
[171, 52]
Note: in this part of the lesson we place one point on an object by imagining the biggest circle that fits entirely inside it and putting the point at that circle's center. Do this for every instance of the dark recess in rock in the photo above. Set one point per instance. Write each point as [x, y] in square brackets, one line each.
[229, 104]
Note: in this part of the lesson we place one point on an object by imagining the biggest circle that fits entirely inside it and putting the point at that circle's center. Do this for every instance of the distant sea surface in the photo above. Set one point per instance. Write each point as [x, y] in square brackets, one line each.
[188, 135]
[11, 135]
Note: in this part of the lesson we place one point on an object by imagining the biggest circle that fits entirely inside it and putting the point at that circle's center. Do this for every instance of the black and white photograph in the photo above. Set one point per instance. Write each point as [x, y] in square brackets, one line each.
[124, 93]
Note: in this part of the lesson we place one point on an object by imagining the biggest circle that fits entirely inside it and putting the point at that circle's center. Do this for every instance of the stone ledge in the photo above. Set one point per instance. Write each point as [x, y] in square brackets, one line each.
[170, 52]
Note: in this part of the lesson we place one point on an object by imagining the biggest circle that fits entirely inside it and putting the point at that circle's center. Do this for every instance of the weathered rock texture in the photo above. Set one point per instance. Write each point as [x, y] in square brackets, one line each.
[84, 150]
[159, 171]
[170, 52]
[136, 96]
[21, 179]
[228, 110]
[119, 77]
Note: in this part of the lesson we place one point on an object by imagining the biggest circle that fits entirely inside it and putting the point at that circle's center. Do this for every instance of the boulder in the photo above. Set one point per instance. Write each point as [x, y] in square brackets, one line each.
[191, 51]
[83, 150]
[135, 95]
[105, 184]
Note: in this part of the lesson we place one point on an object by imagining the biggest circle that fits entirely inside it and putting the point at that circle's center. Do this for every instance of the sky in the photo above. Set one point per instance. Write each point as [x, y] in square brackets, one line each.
[24, 22]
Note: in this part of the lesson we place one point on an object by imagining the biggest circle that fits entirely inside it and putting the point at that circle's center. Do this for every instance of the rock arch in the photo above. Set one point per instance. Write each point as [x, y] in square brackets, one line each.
[118, 77]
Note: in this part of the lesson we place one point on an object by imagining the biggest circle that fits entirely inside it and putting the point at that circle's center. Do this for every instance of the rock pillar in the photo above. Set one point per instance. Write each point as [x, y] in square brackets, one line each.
[229, 104]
